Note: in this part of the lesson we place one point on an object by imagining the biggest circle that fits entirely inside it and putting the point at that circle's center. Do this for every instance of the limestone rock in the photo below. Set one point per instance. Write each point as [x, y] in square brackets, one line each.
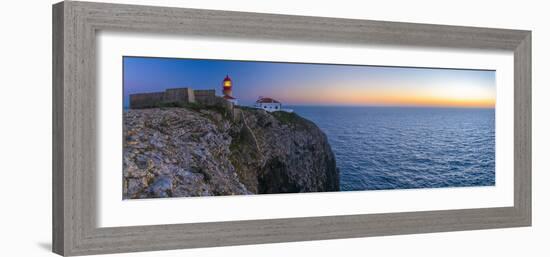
[176, 152]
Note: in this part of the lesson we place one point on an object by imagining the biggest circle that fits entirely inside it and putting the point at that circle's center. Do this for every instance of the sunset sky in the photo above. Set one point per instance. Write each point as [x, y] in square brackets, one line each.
[315, 84]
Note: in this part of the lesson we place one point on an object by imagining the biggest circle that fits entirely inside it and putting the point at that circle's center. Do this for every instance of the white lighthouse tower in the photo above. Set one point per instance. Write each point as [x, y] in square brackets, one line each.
[227, 89]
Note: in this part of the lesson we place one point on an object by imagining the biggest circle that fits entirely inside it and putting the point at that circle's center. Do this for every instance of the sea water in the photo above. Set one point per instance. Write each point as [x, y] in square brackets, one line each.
[408, 147]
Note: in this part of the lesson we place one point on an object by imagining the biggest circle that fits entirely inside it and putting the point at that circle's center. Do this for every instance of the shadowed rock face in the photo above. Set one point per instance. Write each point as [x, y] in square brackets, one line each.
[176, 152]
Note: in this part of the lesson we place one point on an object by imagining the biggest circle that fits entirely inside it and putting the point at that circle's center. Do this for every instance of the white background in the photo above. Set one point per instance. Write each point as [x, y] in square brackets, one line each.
[115, 212]
[25, 129]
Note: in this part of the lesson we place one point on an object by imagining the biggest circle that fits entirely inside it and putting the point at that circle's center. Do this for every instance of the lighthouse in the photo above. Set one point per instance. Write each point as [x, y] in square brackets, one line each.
[227, 89]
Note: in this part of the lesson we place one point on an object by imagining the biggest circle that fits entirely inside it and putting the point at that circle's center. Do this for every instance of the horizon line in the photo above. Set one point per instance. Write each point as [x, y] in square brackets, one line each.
[375, 106]
[391, 106]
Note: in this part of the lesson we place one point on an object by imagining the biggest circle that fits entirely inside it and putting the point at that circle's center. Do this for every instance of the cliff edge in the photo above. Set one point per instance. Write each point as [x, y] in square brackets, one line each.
[192, 151]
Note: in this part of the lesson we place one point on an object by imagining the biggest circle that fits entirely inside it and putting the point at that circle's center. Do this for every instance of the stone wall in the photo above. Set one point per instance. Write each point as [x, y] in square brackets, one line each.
[179, 95]
[206, 97]
[156, 99]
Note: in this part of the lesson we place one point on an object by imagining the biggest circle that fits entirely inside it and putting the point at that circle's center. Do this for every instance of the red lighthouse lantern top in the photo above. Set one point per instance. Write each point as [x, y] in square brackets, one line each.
[227, 81]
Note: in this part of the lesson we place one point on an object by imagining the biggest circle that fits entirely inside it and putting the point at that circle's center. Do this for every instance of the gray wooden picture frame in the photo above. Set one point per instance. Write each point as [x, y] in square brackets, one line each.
[75, 25]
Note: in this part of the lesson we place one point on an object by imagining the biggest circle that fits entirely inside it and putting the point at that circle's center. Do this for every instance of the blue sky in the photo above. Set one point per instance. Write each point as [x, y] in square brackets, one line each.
[315, 84]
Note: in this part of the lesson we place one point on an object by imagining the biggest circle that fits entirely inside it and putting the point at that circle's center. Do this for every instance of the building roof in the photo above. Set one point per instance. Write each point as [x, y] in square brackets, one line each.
[267, 100]
[227, 78]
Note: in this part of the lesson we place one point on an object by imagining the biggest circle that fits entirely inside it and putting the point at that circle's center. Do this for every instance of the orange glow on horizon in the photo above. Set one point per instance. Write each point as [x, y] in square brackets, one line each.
[459, 96]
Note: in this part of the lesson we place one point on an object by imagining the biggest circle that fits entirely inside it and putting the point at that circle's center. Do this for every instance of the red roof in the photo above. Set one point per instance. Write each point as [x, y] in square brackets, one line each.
[267, 100]
[227, 78]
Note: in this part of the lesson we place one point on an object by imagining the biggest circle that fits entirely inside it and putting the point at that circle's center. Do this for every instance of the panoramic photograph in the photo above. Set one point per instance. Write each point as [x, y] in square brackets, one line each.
[202, 127]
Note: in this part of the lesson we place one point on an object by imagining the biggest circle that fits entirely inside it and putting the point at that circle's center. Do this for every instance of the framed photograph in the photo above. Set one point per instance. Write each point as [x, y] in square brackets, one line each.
[183, 128]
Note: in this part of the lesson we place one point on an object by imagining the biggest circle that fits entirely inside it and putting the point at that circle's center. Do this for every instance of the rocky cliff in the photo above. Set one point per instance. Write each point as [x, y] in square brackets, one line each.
[190, 151]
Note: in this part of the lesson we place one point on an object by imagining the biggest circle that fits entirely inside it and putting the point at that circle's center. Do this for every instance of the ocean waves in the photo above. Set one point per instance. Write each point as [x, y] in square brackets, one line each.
[401, 148]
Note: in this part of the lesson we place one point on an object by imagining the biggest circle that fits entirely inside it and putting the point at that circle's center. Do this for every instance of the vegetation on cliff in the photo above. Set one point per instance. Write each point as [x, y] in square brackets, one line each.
[193, 151]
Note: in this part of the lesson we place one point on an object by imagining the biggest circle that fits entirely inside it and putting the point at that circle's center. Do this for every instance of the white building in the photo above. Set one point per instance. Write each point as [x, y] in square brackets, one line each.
[270, 105]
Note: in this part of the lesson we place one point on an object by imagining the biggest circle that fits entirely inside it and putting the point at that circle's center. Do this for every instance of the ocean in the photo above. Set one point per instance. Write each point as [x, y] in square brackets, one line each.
[408, 147]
